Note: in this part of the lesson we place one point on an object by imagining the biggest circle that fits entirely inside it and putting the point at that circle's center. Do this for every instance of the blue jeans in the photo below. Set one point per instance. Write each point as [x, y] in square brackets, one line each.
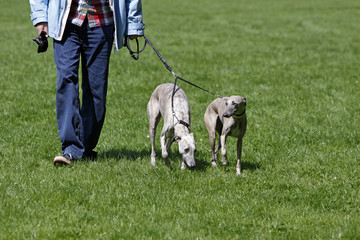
[80, 126]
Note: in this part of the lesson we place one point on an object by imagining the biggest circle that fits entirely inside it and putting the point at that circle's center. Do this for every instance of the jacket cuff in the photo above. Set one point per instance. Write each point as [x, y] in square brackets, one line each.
[38, 17]
[135, 29]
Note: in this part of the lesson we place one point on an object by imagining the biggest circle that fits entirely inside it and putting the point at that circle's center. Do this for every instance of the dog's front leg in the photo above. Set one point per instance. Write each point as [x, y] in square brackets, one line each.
[183, 165]
[164, 152]
[239, 149]
[168, 145]
[217, 149]
[223, 149]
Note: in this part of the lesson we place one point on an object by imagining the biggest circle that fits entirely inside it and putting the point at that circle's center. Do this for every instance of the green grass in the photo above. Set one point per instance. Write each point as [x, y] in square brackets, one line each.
[297, 62]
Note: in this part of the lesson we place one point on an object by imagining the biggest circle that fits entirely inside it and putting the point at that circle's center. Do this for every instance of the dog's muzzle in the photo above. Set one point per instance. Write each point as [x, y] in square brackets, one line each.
[226, 115]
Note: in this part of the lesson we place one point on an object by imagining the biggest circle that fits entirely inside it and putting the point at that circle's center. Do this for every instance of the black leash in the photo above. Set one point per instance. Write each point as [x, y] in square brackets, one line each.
[135, 55]
[172, 107]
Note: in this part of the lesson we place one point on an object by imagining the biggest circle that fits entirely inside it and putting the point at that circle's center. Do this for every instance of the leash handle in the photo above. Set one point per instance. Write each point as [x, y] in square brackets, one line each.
[134, 54]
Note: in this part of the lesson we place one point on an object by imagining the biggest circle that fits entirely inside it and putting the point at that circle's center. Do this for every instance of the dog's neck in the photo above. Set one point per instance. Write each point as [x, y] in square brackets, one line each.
[181, 127]
[239, 115]
[181, 120]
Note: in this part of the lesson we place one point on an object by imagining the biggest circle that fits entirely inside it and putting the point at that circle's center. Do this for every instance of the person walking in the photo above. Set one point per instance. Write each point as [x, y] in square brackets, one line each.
[86, 30]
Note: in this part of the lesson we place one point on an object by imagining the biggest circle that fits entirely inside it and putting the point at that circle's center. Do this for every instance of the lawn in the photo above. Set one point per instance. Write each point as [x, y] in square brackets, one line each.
[297, 62]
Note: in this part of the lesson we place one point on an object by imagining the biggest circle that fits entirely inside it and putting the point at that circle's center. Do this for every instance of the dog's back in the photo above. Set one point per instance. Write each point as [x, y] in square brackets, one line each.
[163, 96]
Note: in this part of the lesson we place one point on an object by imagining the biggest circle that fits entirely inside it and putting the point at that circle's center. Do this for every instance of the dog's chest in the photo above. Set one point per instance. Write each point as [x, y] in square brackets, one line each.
[169, 133]
[236, 129]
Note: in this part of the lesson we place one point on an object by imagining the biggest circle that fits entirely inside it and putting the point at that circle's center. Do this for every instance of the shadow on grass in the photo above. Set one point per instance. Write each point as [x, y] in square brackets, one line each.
[249, 166]
[132, 155]
[125, 154]
[174, 158]
[203, 165]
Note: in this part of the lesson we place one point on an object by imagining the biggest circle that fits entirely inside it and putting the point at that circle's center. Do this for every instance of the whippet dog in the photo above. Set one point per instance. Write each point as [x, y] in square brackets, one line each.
[176, 123]
[227, 117]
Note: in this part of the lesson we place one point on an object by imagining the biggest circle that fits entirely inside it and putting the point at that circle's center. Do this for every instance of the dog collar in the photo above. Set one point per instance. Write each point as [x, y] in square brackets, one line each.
[184, 123]
[181, 121]
[240, 116]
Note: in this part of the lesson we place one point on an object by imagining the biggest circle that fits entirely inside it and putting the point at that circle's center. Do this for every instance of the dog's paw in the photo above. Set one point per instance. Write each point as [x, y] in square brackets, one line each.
[224, 163]
[238, 172]
[164, 154]
[183, 166]
[213, 163]
[153, 162]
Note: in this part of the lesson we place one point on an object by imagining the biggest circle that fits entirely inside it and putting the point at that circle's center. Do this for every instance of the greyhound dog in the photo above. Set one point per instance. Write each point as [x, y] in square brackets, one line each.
[227, 117]
[176, 123]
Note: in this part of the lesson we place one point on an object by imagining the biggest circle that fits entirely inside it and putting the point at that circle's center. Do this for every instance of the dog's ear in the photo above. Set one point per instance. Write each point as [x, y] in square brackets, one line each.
[177, 138]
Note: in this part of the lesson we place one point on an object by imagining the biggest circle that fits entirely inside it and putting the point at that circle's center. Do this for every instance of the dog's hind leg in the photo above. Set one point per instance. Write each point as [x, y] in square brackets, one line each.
[217, 148]
[210, 126]
[239, 150]
[210, 120]
[212, 139]
[154, 118]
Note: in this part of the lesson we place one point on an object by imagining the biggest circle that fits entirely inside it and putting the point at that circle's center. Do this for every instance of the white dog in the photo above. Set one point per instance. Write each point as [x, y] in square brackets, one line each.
[176, 123]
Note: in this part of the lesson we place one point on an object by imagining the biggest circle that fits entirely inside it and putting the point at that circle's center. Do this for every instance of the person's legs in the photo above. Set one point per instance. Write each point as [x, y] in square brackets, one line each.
[67, 56]
[95, 55]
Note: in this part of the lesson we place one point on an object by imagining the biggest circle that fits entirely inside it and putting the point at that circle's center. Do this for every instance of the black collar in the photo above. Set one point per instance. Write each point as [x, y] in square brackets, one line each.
[240, 115]
[185, 124]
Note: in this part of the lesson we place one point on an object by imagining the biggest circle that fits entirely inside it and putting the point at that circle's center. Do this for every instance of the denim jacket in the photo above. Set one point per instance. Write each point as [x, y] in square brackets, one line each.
[127, 17]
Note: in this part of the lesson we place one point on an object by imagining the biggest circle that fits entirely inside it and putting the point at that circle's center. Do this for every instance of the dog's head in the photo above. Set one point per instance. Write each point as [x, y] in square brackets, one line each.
[187, 148]
[235, 106]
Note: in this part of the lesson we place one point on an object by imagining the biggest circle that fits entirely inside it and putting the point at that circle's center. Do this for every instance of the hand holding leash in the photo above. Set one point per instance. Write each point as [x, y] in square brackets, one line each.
[134, 54]
[42, 42]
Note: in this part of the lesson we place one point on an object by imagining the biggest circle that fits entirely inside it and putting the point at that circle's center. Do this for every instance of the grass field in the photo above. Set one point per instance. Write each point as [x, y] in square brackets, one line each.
[297, 62]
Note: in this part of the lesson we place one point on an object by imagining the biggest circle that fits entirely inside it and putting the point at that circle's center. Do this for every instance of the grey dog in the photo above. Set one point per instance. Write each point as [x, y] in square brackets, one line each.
[227, 117]
[176, 123]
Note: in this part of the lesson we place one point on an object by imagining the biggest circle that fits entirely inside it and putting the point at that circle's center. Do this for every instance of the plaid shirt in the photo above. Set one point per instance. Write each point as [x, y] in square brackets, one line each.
[98, 12]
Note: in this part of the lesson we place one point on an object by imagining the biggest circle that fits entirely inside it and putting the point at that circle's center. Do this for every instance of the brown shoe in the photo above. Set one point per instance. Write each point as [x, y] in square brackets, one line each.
[63, 160]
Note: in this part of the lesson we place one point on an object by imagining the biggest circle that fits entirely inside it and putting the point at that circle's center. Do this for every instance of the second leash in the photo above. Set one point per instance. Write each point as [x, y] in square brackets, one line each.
[136, 54]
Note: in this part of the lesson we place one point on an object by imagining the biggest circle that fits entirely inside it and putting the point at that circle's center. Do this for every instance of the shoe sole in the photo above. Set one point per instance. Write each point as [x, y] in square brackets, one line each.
[61, 161]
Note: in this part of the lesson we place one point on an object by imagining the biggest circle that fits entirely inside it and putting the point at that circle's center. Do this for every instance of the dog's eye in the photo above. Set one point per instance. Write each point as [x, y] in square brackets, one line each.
[187, 150]
[226, 103]
[233, 103]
